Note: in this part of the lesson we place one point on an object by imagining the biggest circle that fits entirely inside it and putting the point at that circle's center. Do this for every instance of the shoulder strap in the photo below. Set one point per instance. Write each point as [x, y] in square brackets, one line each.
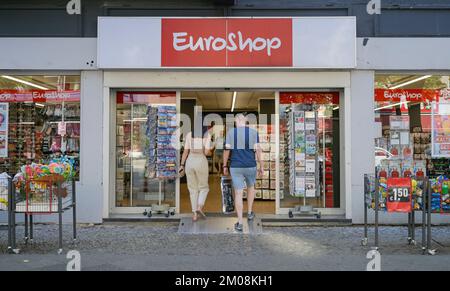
[247, 138]
[234, 145]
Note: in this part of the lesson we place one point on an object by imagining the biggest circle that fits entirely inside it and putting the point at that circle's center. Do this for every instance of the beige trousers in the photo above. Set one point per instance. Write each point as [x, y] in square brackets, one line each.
[197, 172]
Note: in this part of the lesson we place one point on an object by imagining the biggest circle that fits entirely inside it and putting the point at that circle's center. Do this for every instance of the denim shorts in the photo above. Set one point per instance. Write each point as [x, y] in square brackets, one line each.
[243, 177]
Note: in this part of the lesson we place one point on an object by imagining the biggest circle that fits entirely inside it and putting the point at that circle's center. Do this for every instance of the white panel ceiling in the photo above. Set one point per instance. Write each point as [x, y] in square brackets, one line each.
[222, 100]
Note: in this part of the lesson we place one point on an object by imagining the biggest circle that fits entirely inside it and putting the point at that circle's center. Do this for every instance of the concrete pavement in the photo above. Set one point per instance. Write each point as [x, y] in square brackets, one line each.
[158, 246]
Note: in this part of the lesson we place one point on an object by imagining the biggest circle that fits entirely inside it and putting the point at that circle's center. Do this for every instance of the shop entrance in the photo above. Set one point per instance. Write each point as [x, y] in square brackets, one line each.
[218, 109]
[299, 135]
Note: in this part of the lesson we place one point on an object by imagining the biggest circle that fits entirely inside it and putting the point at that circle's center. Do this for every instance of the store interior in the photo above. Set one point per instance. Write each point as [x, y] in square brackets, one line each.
[410, 112]
[217, 105]
[39, 121]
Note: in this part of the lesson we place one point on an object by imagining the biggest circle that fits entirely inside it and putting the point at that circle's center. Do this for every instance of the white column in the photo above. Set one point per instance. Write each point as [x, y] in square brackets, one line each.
[345, 116]
[362, 137]
[90, 186]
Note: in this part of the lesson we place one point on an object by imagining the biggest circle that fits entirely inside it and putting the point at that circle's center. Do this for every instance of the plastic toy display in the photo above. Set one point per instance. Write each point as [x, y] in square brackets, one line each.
[41, 189]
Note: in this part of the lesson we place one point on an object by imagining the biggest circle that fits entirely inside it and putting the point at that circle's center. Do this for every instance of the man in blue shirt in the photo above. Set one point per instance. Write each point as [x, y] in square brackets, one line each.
[242, 143]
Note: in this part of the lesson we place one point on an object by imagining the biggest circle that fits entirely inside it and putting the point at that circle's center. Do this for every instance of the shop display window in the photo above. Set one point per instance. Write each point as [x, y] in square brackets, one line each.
[146, 159]
[412, 120]
[309, 149]
[39, 120]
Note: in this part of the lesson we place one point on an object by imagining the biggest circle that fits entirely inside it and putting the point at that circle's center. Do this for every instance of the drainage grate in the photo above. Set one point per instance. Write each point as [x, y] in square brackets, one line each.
[216, 225]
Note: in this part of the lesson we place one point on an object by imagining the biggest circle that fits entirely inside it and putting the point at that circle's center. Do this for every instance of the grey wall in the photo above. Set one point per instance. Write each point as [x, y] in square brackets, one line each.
[413, 54]
[90, 188]
[398, 18]
[362, 136]
[48, 53]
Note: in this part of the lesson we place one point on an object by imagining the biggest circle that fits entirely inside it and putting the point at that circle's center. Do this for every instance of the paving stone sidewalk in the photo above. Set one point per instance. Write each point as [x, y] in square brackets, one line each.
[158, 246]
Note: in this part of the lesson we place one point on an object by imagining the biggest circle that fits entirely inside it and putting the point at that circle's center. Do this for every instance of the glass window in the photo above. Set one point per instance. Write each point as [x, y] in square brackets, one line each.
[309, 149]
[413, 125]
[39, 120]
[146, 160]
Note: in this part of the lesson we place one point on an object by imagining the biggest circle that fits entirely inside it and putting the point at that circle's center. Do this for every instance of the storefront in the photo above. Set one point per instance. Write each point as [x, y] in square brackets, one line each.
[242, 68]
[328, 93]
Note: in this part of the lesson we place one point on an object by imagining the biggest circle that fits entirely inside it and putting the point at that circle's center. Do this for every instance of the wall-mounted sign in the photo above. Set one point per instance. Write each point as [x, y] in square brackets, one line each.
[403, 95]
[226, 42]
[148, 42]
[39, 96]
[390, 99]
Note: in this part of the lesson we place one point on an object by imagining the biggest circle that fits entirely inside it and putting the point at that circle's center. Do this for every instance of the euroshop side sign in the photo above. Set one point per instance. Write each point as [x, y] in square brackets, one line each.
[147, 42]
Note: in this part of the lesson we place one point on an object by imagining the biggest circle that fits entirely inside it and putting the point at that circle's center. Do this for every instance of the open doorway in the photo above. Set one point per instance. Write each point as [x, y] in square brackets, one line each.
[218, 108]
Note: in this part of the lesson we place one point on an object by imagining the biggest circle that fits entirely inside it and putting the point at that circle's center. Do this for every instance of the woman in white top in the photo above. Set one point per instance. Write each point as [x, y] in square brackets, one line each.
[197, 170]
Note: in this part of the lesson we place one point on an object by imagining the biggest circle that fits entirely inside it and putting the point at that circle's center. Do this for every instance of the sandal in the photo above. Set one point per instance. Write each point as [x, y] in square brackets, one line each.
[201, 214]
[195, 217]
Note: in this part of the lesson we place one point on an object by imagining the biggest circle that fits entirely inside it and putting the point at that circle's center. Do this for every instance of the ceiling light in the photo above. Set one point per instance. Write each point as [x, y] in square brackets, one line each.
[336, 108]
[234, 101]
[24, 82]
[410, 82]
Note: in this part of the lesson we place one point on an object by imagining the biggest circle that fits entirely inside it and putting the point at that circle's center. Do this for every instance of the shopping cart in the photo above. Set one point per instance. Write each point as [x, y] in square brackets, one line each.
[46, 195]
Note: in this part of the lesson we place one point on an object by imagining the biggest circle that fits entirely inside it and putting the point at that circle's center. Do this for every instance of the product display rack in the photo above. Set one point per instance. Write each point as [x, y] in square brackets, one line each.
[375, 196]
[162, 157]
[429, 195]
[302, 154]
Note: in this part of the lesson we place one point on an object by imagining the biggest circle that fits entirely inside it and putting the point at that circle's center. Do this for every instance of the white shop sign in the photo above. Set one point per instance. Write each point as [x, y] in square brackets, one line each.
[154, 42]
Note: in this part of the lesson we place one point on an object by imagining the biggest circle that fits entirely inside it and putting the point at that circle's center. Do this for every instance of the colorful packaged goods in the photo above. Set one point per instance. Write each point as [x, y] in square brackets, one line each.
[440, 198]
[161, 153]
[417, 192]
[61, 169]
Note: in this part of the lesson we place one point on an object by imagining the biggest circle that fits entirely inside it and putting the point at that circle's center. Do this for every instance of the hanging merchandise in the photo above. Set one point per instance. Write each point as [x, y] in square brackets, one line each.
[399, 137]
[383, 193]
[440, 197]
[151, 133]
[161, 154]
[302, 150]
[162, 158]
[418, 191]
[166, 152]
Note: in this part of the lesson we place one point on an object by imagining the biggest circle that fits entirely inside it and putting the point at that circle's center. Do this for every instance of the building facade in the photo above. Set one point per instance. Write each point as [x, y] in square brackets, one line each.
[102, 71]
